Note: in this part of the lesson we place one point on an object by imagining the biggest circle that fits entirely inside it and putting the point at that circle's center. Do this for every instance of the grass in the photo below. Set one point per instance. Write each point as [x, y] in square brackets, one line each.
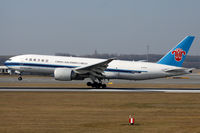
[107, 112]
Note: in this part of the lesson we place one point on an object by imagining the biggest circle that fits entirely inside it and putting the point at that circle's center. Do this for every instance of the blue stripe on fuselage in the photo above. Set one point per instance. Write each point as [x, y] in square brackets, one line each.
[36, 65]
[66, 66]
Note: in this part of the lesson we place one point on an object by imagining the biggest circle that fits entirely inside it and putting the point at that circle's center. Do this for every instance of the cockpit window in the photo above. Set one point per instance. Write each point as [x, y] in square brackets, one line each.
[9, 59]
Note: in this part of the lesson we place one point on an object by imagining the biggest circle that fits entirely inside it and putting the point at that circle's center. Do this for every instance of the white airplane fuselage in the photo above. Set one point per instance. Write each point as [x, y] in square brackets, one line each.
[117, 69]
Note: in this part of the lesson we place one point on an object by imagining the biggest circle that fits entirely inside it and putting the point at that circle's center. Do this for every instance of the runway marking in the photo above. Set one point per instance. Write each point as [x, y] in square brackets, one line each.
[100, 90]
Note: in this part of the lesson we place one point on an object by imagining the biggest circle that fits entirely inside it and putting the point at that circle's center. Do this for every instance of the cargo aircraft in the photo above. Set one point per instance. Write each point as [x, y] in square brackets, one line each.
[78, 68]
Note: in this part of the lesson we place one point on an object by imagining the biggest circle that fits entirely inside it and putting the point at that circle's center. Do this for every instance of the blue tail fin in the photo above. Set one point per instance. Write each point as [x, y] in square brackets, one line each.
[176, 56]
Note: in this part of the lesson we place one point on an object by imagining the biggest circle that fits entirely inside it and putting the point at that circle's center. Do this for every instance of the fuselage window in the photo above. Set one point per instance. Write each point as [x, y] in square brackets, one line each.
[30, 59]
[26, 59]
[34, 59]
[46, 60]
[42, 60]
[38, 60]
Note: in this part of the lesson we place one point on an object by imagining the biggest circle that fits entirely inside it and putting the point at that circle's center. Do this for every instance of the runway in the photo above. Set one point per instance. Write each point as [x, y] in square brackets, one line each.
[190, 84]
[188, 79]
[164, 90]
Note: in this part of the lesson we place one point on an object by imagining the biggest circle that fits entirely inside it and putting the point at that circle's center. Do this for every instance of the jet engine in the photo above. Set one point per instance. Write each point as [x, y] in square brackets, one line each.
[64, 74]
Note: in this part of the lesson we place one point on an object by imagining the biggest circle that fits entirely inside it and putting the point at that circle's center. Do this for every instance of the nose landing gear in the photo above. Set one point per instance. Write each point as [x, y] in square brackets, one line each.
[20, 77]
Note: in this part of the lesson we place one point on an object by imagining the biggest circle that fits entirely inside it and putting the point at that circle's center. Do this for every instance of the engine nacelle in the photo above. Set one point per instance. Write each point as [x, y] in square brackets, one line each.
[64, 74]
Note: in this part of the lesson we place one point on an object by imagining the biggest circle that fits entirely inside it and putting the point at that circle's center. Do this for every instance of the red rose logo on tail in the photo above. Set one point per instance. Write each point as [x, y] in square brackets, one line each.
[178, 53]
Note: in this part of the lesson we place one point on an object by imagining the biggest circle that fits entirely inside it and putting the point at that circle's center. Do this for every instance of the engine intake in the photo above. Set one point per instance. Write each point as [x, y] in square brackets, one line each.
[64, 74]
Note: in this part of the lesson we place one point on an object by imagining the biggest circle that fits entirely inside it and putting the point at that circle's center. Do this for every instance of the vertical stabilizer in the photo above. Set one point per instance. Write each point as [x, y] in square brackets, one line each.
[176, 56]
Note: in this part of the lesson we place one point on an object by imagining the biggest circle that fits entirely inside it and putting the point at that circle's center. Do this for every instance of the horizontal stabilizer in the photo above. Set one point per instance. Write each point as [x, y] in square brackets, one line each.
[181, 70]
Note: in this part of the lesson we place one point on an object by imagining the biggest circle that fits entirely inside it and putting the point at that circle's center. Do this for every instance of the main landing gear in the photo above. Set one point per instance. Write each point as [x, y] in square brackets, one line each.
[96, 85]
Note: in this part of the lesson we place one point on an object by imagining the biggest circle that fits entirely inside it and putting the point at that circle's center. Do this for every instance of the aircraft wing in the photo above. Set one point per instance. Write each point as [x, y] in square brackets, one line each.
[96, 69]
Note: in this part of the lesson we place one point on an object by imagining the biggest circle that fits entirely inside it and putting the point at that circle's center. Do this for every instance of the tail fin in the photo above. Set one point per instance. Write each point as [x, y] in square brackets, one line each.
[176, 56]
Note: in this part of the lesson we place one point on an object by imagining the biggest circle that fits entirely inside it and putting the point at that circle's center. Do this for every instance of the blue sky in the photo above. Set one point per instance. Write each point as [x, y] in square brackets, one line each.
[109, 26]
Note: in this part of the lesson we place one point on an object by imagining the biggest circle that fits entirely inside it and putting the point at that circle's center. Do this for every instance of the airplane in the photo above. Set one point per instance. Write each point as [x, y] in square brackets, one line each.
[98, 70]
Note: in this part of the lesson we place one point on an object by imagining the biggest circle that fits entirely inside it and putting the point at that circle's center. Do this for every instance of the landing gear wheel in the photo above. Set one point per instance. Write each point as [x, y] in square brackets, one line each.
[89, 84]
[96, 85]
[103, 86]
[19, 78]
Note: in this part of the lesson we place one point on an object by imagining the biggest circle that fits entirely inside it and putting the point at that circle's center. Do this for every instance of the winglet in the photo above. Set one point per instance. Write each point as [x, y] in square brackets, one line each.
[176, 56]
